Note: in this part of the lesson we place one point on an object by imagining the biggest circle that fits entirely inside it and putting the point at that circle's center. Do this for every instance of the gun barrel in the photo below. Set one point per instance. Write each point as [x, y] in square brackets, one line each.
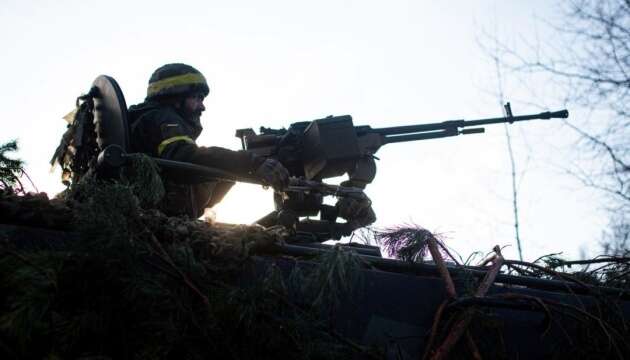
[455, 124]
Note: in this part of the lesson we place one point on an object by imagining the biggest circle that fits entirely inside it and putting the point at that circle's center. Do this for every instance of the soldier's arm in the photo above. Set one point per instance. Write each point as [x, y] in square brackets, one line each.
[169, 140]
[238, 162]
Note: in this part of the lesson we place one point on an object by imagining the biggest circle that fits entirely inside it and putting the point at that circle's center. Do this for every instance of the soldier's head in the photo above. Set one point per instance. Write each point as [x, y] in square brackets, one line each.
[181, 86]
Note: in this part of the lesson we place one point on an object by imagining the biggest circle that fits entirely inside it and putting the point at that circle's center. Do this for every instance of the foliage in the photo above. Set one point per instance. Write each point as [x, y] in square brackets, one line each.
[579, 327]
[610, 271]
[135, 284]
[336, 278]
[10, 169]
[144, 179]
[132, 283]
[407, 243]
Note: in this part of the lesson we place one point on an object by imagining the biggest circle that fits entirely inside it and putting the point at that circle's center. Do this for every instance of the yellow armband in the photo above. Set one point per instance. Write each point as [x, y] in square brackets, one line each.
[171, 140]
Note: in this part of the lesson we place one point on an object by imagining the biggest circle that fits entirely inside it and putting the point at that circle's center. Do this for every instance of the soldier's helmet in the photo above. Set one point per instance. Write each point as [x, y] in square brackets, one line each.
[176, 79]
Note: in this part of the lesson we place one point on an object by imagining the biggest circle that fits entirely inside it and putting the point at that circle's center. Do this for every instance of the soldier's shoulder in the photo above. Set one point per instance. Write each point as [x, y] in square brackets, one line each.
[153, 113]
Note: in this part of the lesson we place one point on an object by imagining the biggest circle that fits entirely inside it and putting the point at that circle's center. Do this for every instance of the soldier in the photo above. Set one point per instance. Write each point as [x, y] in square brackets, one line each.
[167, 124]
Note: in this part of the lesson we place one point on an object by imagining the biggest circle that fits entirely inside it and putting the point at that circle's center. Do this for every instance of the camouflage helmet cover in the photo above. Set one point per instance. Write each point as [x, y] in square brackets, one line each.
[176, 79]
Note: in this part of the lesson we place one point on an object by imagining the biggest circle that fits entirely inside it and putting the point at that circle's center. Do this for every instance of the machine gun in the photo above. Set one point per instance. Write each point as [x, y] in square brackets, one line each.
[333, 146]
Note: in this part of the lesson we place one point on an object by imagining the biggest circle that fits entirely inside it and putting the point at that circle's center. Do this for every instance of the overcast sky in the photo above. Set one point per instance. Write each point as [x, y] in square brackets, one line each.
[270, 63]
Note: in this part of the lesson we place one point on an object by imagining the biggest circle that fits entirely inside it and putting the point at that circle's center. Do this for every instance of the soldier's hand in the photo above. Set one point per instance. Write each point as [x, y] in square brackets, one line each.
[351, 208]
[356, 212]
[273, 174]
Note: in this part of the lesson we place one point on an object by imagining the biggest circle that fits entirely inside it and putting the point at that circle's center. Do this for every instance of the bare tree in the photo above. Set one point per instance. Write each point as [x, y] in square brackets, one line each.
[494, 54]
[589, 58]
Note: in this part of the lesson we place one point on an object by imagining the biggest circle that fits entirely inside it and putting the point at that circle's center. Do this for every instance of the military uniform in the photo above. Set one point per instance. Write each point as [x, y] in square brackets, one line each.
[160, 131]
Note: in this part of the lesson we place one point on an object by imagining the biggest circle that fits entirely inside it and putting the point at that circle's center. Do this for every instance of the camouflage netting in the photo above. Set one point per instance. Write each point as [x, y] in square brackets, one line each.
[132, 283]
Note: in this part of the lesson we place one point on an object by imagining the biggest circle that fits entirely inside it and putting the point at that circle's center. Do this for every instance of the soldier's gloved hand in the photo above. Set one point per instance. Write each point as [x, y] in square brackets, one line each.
[355, 209]
[273, 174]
[357, 212]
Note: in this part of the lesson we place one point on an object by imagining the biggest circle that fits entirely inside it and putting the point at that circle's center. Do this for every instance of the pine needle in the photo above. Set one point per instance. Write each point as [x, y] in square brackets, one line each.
[406, 243]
